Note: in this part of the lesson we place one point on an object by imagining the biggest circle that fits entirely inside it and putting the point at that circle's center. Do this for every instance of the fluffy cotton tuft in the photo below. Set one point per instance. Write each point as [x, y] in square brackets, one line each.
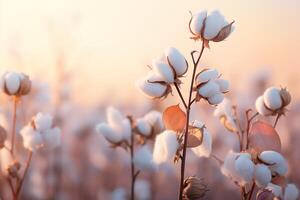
[12, 82]
[244, 167]
[261, 108]
[291, 192]
[41, 133]
[17, 84]
[276, 162]
[213, 24]
[272, 98]
[143, 127]
[143, 159]
[262, 175]
[117, 128]
[165, 146]
[154, 118]
[164, 71]
[176, 60]
[209, 89]
[206, 75]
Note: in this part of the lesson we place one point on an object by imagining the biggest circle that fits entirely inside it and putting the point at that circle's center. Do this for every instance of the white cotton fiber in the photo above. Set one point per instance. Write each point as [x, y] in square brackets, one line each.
[272, 98]
[223, 84]
[143, 127]
[206, 75]
[209, 89]
[291, 192]
[143, 159]
[196, 24]
[213, 25]
[164, 71]
[108, 133]
[276, 161]
[204, 150]
[261, 108]
[43, 121]
[154, 118]
[275, 189]
[152, 90]
[12, 82]
[244, 168]
[216, 99]
[262, 175]
[176, 60]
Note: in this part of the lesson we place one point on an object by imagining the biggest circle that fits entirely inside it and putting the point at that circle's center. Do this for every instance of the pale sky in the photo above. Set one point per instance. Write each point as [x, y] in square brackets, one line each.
[109, 43]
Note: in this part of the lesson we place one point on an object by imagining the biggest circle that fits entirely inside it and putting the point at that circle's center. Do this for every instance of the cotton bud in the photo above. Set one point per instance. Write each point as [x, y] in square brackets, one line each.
[205, 140]
[291, 192]
[153, 86]
[262, 175]
[210, 87]
[275, 161]
[273, 101]
[212, 27]
[15, 84]
[176, 61]
[13, 169]
[117, 129]
[40, 132]
[3, 135]
[194, 188]
[165, 146]
[143, 127]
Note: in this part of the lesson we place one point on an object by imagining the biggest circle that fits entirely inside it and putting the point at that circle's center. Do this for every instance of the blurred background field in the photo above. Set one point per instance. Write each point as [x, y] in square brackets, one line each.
[86, 55]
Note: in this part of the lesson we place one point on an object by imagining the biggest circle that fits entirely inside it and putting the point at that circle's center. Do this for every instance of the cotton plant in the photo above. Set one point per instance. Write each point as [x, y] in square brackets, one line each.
[133, 134]
[39, 133]
[258, 166]
[167, 73]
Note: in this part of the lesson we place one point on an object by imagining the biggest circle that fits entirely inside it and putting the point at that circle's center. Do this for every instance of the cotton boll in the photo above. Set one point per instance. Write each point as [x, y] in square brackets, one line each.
[108, 133]
[34, 142]
[223, 84]
[262, 175]
[228, 167]
[143, 127]
[261, 108]
[152, 90]
[275, 189]
[43, 121]
[12, 82]
[27, 131]
[206, 75]
[291, 192]
[275, 160]
[143, 158]
[51, 138]
[164, 71]
[142, 190]
[165, 146]
[177, 61]
[272, 98]
[213, 25]
[209, 89]
[114, 116]
[126, 130]
[216, 99]
[204, 150]
[196, 23]
[244, 168]
[154, 118]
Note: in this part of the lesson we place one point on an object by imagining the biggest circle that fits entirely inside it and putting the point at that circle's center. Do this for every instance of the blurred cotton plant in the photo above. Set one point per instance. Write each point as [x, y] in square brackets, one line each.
[166, 73]
[39, 133]
[132, 134]
[258, 166]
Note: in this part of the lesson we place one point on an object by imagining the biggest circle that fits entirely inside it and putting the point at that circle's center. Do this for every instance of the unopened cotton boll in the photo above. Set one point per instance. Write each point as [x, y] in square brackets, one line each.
[206, 75]
[143, 127]
[177, 61]
[204, 150]
[209, 89]
[164, 71]
[261, 108]
[143, 158]
[276, 162]
[165, 146]
[272, 98]
[291, 192]
[262, 175]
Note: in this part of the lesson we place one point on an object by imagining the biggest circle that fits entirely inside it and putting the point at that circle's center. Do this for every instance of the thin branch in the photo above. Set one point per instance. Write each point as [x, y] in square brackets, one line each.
[14, 120]
[220, 162]
[249, 120]
[251, 191]
[276, 120]
[180, 94]
[187, 121]
[24, 174]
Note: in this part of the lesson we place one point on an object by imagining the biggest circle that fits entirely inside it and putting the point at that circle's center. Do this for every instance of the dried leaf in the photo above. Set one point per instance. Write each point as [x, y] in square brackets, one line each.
[264, 194]
[263, 137]
[174, 118]
[228, 124]
[224, 33]
[195, 137]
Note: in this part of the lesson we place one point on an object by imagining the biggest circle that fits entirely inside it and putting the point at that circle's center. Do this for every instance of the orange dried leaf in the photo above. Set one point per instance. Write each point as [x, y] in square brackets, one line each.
[263, 137]
[174, 118]
[195, 137]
